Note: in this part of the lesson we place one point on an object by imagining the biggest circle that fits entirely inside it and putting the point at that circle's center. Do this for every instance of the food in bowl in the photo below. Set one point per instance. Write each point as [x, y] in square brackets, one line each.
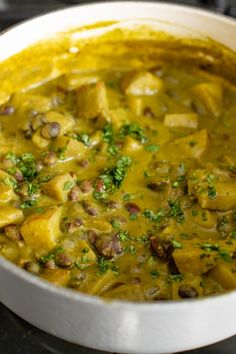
[119, 181]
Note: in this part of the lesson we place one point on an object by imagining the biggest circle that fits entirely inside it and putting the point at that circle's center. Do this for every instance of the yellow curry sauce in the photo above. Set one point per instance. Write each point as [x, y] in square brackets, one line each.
[121, 182]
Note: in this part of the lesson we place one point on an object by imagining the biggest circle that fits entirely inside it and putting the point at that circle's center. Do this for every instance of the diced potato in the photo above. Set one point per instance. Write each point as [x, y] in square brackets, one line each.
[59, 187]
[72, 81]
[81, 246]
[126, 292]
[39, 141]
[191, 146]
[31, 102]
[6, 189]
[225, 197]
[186, 120]
[208, 98]
[223, 274]
[65, 120]
[92, 101]
[131, 145]
[103, 283]
[204, 219]
[57, 276]
[41, 230]
[97, 224]
[69, 148]
[10, 215]
[189, 259]
[141, 83]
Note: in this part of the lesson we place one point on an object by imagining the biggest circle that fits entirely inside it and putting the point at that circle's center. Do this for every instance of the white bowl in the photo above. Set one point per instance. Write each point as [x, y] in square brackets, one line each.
[123, 327]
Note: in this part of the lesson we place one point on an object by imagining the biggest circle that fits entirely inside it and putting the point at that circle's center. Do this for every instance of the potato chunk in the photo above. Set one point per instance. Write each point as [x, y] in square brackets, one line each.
[40, 231]
[189, 260]
[10, 215]
[68, 149]
[224, 197]
[186, 120]
[59, 277]
[92, 101]
[103, 283]
[191, 146]
[223, 274]
[131, 145]
[6, 189]
[141, 84]
[59, 187]
[208, 98]
[39, 141]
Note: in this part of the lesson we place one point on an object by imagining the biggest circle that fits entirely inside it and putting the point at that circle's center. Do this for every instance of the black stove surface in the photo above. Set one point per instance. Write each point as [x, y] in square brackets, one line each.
[16, 335]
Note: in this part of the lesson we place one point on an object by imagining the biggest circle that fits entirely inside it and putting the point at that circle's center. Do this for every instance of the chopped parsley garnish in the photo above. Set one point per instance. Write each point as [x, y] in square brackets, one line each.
[154, 274]
[134, 130]
[175, 278]
[194, 212]
[68, 185]
[32, 189]
[109, 138]
[29, 203]
[84, 138]
[26, 163]
[152, 148]
[178, 182]
[130, 249]
[123, 235]
[176, 211]
[11, 182]
[225, 255]
[176, 244]
[112, 178]
[104, 265]
[233, 234]
[212, 192]
[51, 255]
[61, 152]
[154, 217]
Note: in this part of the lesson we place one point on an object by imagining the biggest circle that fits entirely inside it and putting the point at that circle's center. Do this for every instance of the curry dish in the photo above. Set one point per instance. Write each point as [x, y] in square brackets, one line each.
[122, 182]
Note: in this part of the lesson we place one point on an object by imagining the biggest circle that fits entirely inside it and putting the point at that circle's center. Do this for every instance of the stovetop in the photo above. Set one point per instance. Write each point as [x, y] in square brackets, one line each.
[16, 335]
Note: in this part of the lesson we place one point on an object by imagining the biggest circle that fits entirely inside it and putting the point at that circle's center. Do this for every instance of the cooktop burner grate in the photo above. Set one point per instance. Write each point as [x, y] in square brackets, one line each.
[16, 335]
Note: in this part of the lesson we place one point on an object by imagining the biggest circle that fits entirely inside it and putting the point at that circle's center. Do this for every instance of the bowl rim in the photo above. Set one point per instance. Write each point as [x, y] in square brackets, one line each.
[69, 293]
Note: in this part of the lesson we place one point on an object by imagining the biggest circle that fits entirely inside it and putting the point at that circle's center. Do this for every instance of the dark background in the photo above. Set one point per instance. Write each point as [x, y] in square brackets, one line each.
[17, 336]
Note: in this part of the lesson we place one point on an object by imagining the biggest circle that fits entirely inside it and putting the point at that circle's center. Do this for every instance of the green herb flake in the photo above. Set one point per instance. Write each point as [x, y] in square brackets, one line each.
[154, 274]
[134, 130]
[115, 224]
[51, 255]
[176, 244]
[29, 204]
[154, 217]
[194, 212]
[123, 235]
[68, 185]
[11, 182]
[233, 234]
[175, 278]
[152, 148]
[84, 138]
[176, 211]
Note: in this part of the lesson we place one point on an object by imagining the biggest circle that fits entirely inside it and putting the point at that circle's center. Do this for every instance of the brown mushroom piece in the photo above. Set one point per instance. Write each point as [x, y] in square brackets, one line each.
[13, 232]
[162, 249]
[187, 292]
[108, 245]
[63, 260]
